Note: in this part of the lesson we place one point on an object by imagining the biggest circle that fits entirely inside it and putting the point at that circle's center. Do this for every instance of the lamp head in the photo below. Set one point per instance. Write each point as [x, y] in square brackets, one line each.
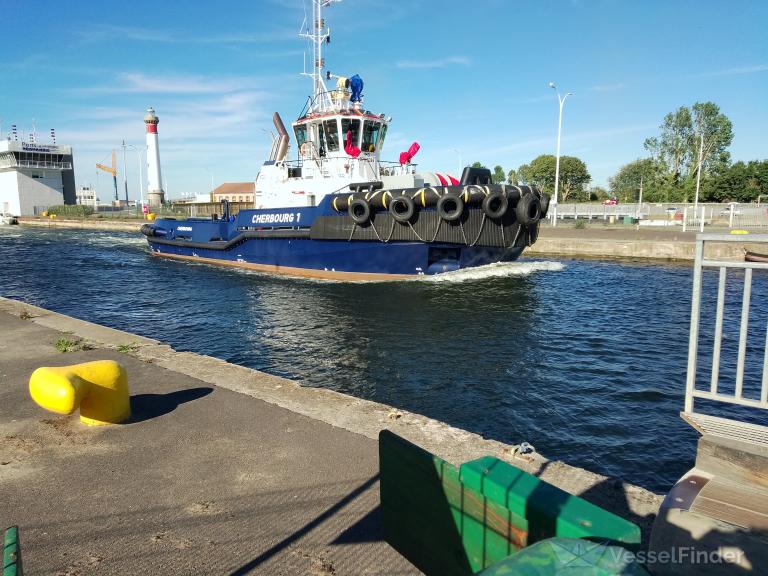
[552, 85]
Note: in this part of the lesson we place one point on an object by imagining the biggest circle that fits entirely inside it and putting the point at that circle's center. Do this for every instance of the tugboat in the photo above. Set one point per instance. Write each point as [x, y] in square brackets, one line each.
[337, 211]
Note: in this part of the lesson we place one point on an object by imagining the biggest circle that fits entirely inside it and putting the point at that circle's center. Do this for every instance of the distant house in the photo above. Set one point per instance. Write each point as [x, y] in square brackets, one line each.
[235, 192]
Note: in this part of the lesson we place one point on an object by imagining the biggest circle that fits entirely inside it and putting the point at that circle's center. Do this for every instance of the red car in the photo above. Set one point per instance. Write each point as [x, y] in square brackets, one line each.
[610, 202]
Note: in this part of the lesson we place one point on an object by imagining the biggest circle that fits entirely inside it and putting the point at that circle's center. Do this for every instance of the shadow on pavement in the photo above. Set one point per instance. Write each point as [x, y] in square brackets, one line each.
[147, 406]
[308, 527]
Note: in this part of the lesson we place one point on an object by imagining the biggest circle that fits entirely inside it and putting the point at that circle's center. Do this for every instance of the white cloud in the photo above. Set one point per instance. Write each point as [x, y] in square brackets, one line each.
[439, 63]
[158, 83]
[737, 70]
[101, 32]
[608, 87]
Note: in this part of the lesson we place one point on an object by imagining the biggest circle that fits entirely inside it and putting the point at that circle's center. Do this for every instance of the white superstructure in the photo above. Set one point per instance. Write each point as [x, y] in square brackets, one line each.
[34, 176]
[337, 141]
[155, 192]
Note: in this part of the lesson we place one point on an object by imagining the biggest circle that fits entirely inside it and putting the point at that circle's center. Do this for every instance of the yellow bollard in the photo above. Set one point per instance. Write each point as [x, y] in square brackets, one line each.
[99, 388]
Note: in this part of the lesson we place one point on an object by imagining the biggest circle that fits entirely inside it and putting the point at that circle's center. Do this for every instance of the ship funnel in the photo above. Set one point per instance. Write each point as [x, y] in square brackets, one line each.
[280, 151]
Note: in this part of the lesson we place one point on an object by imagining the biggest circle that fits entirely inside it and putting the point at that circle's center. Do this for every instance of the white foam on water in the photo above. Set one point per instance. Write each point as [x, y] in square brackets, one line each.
[111, 240]
[496, 270]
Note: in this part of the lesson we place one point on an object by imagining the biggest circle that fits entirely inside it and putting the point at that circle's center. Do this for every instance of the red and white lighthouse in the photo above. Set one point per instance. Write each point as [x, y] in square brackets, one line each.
[155, 193]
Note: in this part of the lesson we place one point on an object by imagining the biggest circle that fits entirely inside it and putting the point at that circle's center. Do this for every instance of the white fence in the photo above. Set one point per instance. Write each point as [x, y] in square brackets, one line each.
[675, 214]
[734, 392]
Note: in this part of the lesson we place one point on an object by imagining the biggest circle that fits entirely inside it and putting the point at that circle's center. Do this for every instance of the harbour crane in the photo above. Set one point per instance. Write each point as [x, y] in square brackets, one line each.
[111, 170]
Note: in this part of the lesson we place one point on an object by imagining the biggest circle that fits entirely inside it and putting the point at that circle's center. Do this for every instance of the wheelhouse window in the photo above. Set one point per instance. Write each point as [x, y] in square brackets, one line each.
[351, 125]
[332, 135]
[320, 140]
[301, 134]
[382, 135]
[371, 132]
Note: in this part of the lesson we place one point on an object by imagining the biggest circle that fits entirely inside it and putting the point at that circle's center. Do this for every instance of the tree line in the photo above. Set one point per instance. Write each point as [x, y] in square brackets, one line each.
[690, 139]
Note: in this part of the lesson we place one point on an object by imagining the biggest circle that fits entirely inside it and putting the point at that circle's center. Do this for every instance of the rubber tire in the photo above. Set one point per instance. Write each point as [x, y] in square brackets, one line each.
[405, 215]
[450, 215]
[528, 210]
[502, 208]
[544, 201]
[359, 211]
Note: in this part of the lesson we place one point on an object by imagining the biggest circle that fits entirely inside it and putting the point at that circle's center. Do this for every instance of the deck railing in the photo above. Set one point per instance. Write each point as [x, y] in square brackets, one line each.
[713, 392]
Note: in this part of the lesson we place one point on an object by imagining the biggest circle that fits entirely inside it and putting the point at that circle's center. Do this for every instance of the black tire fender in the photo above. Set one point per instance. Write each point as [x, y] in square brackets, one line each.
[450, 207]
[528, 210]
[402, 208]
[495, 204]
[359, 211]
[544, 201]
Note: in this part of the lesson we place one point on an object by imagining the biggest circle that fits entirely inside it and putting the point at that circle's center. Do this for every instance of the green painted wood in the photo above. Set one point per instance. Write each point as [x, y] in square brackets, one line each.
[567, 556]
[11, 552]
[549, 510]
[440, 525]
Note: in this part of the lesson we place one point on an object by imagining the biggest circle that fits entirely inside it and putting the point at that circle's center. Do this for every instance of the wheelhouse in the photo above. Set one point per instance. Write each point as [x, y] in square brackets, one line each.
[340, 135]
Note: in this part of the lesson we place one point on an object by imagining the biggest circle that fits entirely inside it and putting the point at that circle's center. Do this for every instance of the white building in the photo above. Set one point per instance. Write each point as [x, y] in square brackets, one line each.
[35, 176]
[86, 196]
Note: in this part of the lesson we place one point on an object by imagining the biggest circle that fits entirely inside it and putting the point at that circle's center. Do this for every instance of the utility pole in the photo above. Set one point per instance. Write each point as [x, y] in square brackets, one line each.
[125, 176]
[698, 172]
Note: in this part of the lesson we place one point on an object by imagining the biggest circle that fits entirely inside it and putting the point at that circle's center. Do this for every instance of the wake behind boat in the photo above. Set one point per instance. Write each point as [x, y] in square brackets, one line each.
[339, 211]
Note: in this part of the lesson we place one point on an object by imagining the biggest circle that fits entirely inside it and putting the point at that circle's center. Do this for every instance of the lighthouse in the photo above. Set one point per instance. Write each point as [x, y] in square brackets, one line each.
[155, 194]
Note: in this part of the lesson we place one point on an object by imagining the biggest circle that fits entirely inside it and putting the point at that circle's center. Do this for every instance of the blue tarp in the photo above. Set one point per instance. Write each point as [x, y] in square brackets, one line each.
[356, 83]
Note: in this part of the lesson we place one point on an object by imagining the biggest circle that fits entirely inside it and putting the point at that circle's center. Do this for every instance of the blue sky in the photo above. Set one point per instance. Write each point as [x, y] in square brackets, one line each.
[465, 79]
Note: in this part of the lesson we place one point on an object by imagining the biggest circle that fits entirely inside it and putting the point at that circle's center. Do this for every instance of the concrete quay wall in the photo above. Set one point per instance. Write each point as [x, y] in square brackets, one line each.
[95, 224]
[355, 415]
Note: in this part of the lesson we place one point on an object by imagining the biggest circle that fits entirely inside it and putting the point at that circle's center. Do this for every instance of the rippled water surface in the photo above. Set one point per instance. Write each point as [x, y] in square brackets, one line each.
[583, 359]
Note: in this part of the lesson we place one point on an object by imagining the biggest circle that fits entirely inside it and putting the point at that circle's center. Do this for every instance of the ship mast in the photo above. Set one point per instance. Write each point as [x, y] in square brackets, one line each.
[319, 35]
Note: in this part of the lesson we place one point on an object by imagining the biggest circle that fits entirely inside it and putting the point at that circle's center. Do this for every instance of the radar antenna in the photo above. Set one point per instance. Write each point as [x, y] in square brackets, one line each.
[318, 35]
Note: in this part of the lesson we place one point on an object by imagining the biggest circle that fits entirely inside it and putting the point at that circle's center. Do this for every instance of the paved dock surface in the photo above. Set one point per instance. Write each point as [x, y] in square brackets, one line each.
[222, 470]
[203, 480]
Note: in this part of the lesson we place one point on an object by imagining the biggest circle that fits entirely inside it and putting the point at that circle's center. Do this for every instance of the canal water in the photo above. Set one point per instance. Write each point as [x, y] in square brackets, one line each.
[583, 359]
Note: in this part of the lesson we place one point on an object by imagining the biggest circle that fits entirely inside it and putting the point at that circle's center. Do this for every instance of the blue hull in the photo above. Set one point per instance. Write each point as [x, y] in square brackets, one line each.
[335, 259]
[321, 242]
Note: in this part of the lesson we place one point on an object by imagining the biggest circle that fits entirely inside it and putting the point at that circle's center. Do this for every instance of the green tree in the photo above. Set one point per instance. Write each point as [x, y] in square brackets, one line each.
[678, 146]
[741, 182]
[477, 165]
[512, 177]
[625, 184]
[541, 173]
[498, 175]
[598, 193]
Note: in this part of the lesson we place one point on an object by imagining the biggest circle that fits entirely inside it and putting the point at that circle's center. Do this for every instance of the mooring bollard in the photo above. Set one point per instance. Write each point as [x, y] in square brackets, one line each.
[99, 389]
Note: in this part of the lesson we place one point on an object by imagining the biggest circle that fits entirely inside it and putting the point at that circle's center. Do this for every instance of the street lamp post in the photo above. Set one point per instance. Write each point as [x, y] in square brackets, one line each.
[139, 151]
[557, 156]
[125, 177]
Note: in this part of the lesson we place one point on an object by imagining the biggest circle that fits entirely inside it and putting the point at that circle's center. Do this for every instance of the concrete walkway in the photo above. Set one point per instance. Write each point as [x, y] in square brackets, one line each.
[223, 469]
[202, 481]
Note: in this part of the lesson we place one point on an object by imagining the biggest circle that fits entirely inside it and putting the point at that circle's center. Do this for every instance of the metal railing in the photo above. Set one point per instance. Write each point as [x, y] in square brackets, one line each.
[748, 215]
[208, 208]
[714, 392]
[14, 163]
